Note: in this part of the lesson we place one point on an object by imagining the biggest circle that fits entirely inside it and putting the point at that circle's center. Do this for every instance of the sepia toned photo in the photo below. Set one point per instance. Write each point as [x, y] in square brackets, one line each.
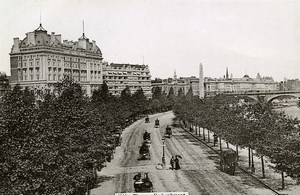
[149, 97]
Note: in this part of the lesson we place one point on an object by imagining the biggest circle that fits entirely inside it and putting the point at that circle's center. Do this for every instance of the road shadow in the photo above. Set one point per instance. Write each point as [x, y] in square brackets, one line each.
[101, 179]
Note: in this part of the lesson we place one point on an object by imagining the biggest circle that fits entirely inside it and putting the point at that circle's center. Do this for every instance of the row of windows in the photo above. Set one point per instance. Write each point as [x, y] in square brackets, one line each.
[58, 58]
[31, 64]
[128, 73]
[130, 83]
[124, 68]
[30, 71]
[54, 64]
[129, 78]
[30, 77]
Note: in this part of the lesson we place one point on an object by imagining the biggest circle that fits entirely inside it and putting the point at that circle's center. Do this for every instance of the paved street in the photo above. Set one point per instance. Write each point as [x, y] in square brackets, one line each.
[199, 172]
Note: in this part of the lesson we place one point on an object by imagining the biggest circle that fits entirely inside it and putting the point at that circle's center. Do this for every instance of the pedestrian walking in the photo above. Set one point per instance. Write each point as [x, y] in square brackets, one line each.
[177, 166]
[172, 162]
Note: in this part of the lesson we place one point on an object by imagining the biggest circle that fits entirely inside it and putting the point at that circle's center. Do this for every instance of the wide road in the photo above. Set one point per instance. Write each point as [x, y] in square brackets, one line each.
[199, 172]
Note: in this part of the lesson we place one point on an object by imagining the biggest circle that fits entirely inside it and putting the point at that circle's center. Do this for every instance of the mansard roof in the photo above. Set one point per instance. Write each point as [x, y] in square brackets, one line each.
[40, 37]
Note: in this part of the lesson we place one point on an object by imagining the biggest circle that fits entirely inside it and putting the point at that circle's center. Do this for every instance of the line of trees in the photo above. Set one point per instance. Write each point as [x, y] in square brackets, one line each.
[56, 145]
[254, 126]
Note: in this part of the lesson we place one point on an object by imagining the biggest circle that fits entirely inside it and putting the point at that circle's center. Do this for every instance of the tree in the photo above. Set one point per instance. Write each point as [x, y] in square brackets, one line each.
[180, 93]
[139, 101]
[126, 93]
[104, 92]
[171, 93]
[101, 95]
[157, 93]
[17, 133]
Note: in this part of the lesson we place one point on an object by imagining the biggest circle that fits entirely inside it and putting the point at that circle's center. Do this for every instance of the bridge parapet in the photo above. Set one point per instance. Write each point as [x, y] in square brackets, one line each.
[268, 96]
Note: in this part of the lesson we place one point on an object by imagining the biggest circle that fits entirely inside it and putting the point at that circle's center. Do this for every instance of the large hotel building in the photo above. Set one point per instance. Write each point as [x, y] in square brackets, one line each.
[118, 76]
[41, 59]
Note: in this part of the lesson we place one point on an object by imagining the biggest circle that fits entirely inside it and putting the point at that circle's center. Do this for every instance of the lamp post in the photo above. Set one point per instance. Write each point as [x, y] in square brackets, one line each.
[163, 157]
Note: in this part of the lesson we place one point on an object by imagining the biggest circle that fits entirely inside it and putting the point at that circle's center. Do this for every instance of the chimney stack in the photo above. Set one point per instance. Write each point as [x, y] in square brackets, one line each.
[16, 48]
[52, 38]
[58, 37]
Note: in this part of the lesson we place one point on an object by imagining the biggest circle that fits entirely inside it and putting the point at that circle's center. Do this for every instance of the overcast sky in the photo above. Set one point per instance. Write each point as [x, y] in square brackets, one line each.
[246, 36]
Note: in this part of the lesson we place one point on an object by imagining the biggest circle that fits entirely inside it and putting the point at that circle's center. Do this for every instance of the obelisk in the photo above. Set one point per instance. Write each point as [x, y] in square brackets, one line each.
[201, 82]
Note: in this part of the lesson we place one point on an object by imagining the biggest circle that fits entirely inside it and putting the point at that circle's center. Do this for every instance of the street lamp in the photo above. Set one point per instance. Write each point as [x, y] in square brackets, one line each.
[163, 157]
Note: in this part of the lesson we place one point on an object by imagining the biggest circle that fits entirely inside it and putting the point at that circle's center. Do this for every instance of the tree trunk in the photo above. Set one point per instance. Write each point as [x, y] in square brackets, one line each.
[252, 167]
[215, 138]
[203, 134]
[237, 151]
[208, 136]
[87, 189]
[282, 180]
[195, 128]
[220, 144]
[263, 167]
[249, 154]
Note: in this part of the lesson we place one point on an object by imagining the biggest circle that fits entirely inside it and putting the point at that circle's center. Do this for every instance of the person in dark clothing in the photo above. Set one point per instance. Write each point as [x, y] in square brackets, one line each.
[172, 162]
[177, 166]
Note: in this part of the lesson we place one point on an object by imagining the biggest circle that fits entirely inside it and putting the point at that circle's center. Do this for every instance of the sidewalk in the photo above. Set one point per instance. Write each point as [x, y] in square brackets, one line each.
[272, 178]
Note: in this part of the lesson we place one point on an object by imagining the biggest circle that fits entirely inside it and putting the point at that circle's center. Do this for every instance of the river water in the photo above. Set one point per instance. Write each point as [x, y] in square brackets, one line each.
[292, 111]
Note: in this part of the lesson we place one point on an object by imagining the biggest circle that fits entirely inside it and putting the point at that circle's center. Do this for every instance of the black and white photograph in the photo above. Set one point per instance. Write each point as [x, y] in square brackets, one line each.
[149, 97]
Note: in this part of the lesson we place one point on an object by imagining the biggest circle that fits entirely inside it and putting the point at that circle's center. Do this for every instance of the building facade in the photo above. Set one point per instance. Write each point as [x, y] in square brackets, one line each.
[41, 59]
[166, 87]
[182, 83]
[118, 76]
[292, 85]
[215, 86]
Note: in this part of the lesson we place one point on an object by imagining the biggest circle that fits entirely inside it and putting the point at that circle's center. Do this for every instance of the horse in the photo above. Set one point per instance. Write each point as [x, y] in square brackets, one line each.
[146, 136]
[137, 176]
[144, 184]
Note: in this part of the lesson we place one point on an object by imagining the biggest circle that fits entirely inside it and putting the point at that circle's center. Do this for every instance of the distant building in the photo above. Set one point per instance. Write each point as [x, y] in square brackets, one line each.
[175, 83]
[292, 85]
[118, 76]
[239, 85]
[41, 59]
[166, 87]
[213, 86]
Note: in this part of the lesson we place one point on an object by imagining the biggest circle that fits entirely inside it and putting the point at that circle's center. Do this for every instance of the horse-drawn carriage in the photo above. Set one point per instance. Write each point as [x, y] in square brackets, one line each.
[156, 124]
[147, 120]
[146, 138]
[228, 161]
[117, 136]
[168, 132]
[144, 152]
[142, 184]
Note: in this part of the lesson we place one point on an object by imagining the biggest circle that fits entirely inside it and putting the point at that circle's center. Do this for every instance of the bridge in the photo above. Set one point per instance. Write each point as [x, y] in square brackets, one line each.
[267, 96]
